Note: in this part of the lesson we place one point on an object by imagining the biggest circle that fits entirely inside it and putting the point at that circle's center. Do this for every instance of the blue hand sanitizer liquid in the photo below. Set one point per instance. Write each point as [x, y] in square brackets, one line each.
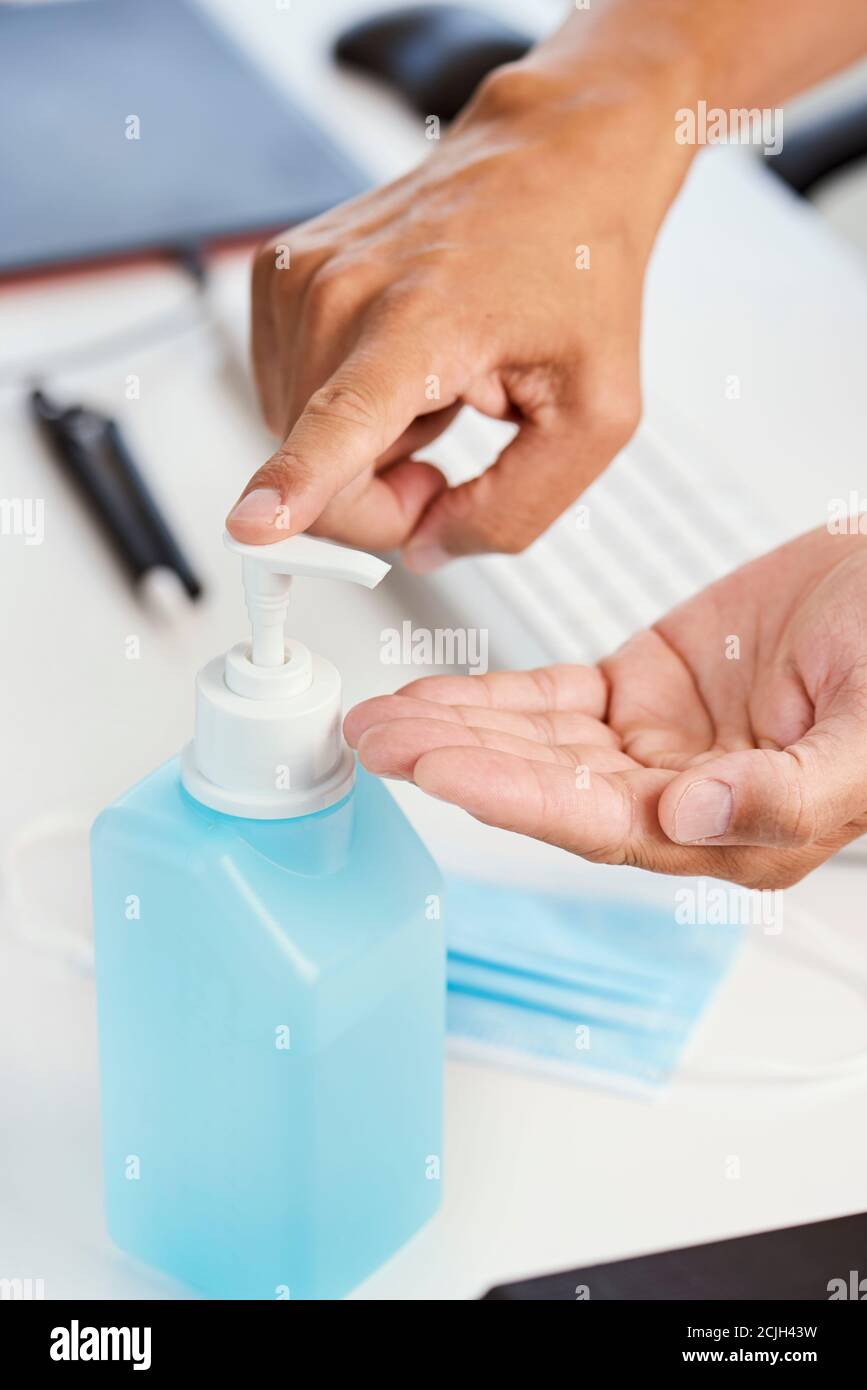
[271, 1001]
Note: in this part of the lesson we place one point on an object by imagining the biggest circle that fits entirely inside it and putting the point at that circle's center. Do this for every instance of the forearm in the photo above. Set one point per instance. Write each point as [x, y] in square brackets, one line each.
[729, 53]
[611, 88]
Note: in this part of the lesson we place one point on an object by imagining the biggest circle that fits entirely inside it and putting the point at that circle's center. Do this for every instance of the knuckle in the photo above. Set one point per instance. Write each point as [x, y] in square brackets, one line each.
[330, 291]
[615, 414]
[280, 469]
[263, 267]
[263, 256]
[543, 725]
[498, 523]
[795, 814]
[800, 818]
[774, 875]
[290, 278]
[414, 301]
[350, 401]
[258, 279]
[510, 89]
[513, 541]
[270, 256]
[786, 877]
[499, 534]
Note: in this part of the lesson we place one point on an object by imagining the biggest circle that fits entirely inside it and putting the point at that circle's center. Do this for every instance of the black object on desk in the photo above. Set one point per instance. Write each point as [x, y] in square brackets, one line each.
[819, 1261]
[823, 146]
[132, 126]
[435, 55]
[93, 453]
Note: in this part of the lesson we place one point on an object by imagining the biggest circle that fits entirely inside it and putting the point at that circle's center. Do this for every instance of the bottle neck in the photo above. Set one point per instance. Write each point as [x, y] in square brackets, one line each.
[310, 846]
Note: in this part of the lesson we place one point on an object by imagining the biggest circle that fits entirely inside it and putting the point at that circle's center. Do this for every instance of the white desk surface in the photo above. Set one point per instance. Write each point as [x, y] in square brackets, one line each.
[537, 1175]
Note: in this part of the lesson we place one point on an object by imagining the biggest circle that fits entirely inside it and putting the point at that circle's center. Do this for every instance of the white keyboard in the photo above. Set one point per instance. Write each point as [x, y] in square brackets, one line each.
[666, 519]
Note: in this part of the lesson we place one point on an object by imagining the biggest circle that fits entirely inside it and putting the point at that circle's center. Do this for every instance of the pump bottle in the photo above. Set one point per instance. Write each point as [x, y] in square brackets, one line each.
[270, 981]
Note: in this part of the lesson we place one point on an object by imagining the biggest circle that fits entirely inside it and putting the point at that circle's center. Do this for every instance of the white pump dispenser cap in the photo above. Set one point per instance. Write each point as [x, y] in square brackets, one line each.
[268, 742]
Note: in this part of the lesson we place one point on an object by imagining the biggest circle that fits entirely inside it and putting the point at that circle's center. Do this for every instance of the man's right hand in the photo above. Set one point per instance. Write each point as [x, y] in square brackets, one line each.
[463, 283]
[505, 273]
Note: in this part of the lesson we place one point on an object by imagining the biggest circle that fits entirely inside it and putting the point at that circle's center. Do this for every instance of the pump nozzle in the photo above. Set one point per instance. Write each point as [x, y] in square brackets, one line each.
[268, 571]
[268, 741]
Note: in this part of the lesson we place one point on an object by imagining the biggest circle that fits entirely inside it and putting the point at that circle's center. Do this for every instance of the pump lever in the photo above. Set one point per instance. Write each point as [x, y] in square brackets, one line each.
[313, 558]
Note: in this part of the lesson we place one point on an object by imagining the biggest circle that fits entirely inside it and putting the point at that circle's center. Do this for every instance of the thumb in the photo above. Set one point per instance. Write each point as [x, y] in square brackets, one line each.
[344, 427]
[787, 798]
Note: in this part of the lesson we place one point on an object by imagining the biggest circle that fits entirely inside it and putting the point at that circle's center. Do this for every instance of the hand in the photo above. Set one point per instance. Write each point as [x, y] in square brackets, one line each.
[458, 285]
[730, 739]
[463, 282]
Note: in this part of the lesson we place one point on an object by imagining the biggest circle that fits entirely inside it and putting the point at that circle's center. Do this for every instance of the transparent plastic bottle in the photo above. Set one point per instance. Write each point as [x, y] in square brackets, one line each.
[271, 1001]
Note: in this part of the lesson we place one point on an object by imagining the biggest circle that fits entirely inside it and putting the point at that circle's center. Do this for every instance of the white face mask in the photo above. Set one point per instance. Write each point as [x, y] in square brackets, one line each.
[602, 990]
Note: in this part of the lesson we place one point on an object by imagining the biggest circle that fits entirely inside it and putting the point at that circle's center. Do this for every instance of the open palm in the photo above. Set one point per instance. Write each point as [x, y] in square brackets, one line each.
[730, 739]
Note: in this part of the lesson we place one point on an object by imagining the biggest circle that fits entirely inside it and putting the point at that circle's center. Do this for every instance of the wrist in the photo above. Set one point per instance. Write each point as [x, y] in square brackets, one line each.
[593, 116]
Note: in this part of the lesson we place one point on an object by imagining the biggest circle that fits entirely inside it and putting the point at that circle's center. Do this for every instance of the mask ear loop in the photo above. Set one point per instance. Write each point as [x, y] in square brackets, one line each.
[35, 927]
[769, 1071]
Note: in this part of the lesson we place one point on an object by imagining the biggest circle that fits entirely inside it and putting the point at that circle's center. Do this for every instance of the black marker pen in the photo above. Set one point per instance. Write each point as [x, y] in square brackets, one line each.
[94, 454]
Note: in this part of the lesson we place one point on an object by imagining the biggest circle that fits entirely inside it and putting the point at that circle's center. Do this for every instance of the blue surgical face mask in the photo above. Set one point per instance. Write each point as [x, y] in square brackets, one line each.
[593, 989]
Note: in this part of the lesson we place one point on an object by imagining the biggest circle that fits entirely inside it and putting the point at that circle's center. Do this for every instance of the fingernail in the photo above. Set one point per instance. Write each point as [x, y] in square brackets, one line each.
[422, 559]
[262, 504]
[703, 812]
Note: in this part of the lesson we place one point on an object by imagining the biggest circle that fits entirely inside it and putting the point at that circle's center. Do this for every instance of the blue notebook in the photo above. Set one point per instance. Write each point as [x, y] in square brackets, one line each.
[219, 152]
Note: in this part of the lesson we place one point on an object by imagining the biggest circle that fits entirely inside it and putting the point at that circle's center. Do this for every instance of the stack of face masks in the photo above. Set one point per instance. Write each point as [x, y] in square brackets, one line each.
[592, 989]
